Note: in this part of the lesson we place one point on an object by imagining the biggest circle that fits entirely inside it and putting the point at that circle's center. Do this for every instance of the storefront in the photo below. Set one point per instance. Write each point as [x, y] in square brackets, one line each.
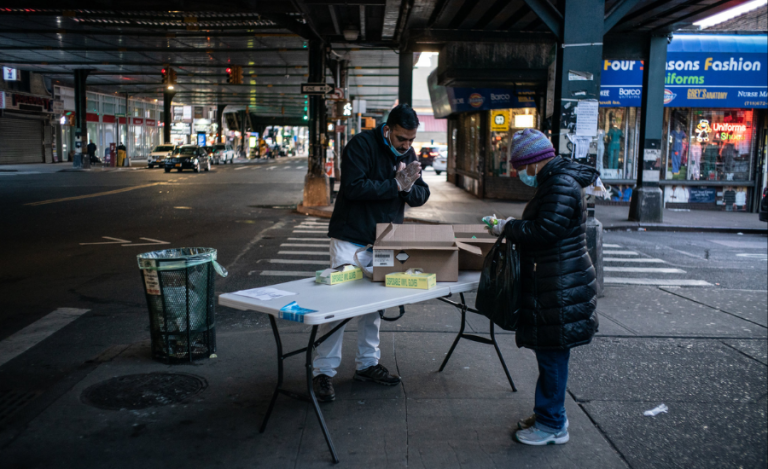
[25, 129]
[714, 141]
[714, 123]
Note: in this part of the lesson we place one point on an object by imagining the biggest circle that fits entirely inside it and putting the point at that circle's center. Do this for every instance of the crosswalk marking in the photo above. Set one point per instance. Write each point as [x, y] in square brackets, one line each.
[23, 340]
[658, 270]
[298, 245]
[657, 282]
[623, 259]
[288, 273]
[611, 246]
[620, 253]
[242, 167]
[296, 261]
[325, 240]
[306, 253]
[311, 232]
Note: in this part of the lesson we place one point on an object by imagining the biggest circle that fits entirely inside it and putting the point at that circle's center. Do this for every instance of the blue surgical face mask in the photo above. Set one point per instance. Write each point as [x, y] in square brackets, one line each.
[527, 179]
[392, 147]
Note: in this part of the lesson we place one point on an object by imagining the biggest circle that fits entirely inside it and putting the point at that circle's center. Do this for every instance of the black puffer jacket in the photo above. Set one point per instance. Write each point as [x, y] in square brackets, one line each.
[558, 279]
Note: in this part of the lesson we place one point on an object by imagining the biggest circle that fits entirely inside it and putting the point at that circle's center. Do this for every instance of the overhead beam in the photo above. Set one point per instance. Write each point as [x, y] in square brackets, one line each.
[616, 13]
[334, 19]
[362, 22]
[440, 36]
[149, 33]
[548, 14]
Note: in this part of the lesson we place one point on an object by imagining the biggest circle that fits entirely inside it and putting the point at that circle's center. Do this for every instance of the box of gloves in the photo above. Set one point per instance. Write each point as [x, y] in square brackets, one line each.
[411, 278]
[473, 235]
[431, 248]
[344, 273]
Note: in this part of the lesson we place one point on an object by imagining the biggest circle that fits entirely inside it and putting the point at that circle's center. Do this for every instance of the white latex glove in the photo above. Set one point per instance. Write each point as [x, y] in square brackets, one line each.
[407, 175]
[498, 228]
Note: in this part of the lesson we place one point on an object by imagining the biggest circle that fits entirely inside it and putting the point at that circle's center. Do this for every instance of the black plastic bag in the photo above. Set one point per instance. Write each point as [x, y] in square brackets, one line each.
[498, 295]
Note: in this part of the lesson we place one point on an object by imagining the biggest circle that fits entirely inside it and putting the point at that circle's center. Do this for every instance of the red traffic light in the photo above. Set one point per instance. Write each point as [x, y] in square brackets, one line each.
[162, 71]
[229, 70]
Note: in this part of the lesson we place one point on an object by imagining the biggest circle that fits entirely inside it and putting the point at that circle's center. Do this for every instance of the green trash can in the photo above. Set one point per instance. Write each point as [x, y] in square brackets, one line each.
[179, 286]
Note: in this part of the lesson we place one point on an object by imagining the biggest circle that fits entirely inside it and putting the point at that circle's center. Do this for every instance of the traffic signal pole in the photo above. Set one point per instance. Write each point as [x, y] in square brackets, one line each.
[317, 191]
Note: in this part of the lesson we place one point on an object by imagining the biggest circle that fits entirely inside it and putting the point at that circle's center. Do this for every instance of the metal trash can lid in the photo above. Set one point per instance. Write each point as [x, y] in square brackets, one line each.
[179, 258]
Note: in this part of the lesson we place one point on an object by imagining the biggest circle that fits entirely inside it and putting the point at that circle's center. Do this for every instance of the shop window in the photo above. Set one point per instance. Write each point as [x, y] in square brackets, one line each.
[616, 145]
[109, 109]
[708, 144]
[92, 105]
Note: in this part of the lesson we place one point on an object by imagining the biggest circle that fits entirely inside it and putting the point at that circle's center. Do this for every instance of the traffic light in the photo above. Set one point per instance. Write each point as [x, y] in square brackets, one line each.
[164, 73]
[230, 76]
[238, 75]
[172, 77]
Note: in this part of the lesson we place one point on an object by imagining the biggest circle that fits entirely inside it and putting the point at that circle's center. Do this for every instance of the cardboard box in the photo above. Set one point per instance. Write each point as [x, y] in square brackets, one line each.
[403, 280]
[430, 248]
[474, 235]
[345, 273]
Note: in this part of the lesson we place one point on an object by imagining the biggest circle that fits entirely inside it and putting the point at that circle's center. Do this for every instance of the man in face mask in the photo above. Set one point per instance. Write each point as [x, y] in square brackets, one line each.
[379, 175]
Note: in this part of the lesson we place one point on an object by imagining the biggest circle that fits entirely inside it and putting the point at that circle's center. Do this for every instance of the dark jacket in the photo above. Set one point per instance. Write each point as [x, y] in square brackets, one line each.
[558, 280]
[91, 148]
[369, 192]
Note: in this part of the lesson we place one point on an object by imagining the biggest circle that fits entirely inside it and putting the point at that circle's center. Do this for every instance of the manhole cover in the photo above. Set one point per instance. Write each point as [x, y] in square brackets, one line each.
[142, 391]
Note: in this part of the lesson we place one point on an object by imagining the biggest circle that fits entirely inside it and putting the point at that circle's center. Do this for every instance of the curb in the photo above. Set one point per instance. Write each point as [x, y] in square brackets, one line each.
[319, 212]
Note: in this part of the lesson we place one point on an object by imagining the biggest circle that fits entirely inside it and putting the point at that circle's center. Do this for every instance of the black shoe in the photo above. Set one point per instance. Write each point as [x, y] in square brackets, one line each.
[323, 386]
[377, 374]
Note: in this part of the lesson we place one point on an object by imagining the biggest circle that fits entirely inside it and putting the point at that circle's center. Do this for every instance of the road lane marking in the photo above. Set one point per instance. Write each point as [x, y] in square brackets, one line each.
[325, 240]
[310, 232]
[88, 196]
[242, 167]
[611, 245]
[23, 340]
[658, 270]
[620, 253]
[657, 282]
[287, 273]
[306, 253]
[296, 261]
[114, 241]
[621, 259]
[154, 242]
[297, 245]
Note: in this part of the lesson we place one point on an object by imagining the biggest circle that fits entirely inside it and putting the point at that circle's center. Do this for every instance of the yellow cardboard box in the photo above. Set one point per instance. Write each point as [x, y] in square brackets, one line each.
[405, 280]
[342, 274]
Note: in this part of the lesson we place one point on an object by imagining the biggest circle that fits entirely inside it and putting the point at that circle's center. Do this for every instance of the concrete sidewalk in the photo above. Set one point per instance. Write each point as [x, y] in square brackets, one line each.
[450, 204]
[704, 357]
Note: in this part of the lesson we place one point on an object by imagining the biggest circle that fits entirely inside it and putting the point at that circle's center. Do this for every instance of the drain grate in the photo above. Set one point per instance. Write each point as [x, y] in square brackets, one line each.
[11, 401]
[144, 390]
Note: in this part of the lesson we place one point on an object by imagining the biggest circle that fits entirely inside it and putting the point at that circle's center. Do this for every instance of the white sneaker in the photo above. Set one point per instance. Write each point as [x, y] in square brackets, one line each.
[535, 437]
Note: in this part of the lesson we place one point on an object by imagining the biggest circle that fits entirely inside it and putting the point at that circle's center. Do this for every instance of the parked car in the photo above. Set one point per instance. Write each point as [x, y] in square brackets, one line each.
[222, 153]
[158, 155]
[763, 215]
[441, 162]
[188, 157]
[427, 155]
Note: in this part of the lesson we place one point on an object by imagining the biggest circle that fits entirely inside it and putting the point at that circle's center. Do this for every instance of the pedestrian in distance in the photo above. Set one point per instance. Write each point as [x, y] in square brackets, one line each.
[92, 152]
[558, 289]
[379, 175]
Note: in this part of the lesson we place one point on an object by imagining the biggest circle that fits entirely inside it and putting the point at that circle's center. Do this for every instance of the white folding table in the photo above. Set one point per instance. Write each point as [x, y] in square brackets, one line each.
[343, 302]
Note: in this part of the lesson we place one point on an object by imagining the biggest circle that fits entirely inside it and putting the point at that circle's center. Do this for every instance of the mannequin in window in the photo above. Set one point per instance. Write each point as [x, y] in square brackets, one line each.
[615, 136]
[600, 150]
[727, 152]
[709, 162]
[676, 149]
[694, 162]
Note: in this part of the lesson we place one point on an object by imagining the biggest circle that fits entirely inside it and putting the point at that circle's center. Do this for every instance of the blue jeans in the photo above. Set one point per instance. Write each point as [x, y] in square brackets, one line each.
[550, 389]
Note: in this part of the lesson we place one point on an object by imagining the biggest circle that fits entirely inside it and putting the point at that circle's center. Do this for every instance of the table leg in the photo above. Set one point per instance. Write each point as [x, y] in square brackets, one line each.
[461, 335]
[312, 396]
[280, 359]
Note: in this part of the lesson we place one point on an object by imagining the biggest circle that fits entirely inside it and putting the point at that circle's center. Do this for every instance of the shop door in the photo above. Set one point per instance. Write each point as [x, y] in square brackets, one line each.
[21, 141]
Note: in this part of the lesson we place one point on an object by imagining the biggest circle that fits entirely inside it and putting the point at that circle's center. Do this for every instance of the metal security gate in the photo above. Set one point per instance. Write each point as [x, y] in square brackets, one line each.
[22, 141]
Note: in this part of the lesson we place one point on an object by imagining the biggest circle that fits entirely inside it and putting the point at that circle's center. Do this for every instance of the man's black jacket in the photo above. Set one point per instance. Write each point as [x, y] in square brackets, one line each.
[369, 193]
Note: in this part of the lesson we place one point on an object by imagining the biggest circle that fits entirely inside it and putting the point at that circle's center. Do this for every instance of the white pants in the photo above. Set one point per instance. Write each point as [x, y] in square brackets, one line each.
[328, 357]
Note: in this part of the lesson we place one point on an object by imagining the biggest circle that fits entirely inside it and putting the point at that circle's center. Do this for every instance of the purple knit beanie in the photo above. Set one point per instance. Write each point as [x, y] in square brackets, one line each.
[529, 146]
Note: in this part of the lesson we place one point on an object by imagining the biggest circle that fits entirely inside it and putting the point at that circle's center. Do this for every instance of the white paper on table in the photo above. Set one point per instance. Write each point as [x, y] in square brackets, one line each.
[264, 293]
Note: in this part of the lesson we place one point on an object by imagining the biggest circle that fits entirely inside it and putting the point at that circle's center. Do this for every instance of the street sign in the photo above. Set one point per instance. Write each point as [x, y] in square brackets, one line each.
[315, 88]
[11, 74]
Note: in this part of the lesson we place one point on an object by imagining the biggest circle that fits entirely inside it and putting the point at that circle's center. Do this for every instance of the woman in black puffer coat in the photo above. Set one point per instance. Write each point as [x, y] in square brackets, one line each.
[558, 280]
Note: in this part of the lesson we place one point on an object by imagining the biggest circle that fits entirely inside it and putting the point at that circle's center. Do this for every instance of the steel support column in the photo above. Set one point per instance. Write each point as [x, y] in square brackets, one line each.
[577, 80]
[646, 204]
[81, 123]
[243, 153]
[219, 121]
[405, 78]
[317, 192]
[167, 115]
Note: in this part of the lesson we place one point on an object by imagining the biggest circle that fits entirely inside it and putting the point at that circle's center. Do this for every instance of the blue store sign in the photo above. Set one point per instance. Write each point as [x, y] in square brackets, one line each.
[713, 71]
